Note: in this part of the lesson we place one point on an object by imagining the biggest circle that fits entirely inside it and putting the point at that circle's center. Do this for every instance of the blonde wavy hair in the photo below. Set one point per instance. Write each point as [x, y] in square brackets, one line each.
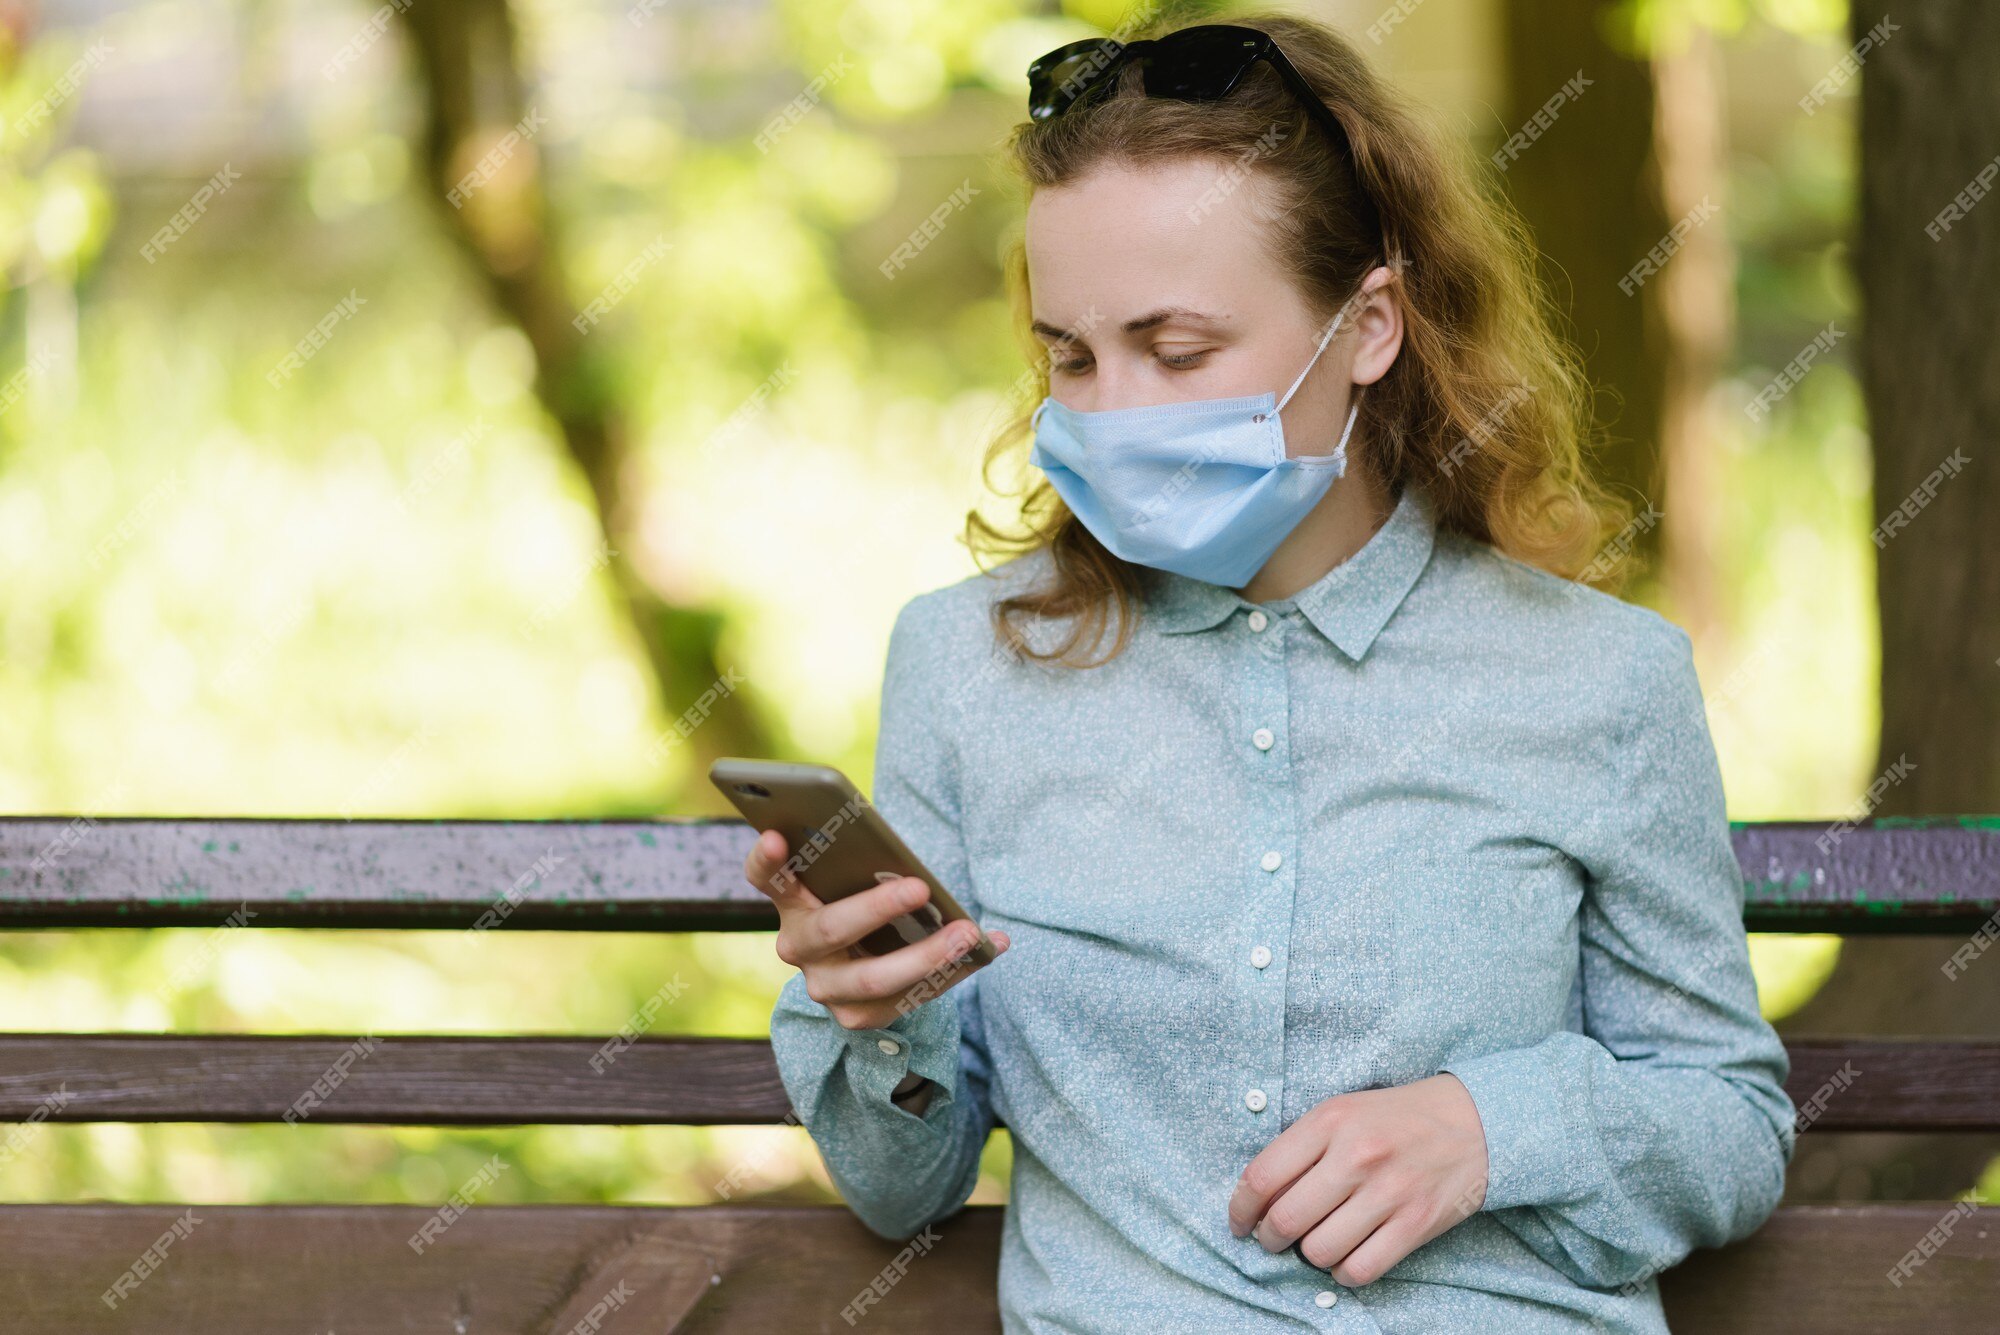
[1486, 406]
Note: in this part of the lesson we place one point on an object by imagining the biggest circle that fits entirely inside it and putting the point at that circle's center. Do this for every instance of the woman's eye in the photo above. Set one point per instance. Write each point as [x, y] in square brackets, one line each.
[1182, 361]
[1069, 365]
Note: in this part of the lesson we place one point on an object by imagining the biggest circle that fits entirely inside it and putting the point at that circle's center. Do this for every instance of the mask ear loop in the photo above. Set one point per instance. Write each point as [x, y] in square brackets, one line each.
[1331, 330]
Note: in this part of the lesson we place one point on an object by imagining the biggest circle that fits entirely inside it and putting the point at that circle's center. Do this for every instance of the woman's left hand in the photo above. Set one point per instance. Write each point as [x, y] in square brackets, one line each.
[1364, 1179]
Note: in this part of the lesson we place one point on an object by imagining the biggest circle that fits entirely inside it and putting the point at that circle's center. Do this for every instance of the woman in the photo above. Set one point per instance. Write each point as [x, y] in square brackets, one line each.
[1373, 954]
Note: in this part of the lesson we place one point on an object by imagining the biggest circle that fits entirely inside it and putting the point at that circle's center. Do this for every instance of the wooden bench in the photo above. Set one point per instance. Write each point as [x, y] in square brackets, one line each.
[755, 1267]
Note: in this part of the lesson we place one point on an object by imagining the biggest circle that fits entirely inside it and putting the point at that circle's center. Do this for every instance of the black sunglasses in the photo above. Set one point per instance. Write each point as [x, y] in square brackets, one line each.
[1199, 64]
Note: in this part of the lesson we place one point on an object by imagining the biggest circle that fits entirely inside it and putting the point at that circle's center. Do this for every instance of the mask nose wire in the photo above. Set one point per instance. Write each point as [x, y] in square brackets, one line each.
[1325, 339]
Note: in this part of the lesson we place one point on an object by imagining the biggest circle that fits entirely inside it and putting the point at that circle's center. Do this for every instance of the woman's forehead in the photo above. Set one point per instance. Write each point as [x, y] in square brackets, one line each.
[1131, 241]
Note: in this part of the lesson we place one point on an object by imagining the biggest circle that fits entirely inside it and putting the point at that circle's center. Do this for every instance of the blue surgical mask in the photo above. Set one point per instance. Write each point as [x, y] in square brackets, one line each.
[1202, 488]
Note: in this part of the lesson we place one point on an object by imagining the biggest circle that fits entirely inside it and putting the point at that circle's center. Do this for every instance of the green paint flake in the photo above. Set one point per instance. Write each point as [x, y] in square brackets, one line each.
[208, 846]
[646, 838]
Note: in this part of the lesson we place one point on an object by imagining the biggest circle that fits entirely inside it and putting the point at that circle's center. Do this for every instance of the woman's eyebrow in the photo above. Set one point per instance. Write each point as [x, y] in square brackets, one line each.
[1178, 315]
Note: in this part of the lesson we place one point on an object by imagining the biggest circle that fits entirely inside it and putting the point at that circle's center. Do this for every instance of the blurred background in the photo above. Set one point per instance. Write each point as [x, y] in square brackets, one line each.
[408, 410]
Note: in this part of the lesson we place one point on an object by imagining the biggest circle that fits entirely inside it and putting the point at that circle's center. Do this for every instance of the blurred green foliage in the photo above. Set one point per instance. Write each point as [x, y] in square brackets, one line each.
[375, 586]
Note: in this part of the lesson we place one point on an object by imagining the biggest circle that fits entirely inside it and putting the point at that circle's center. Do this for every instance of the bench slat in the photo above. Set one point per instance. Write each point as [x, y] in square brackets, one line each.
[743, 1268]
[686, 875]
[1857, 1084]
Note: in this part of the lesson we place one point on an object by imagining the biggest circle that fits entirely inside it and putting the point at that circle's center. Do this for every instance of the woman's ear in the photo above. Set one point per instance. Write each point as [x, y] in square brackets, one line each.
[1378, 327]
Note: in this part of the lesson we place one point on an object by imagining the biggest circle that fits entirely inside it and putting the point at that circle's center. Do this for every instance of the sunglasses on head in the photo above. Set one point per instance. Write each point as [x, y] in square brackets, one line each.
[1200, 64]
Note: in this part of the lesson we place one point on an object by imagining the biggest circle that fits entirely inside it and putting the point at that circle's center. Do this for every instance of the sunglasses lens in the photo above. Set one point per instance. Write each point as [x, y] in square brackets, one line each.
[1202, 64]
[1063, 75]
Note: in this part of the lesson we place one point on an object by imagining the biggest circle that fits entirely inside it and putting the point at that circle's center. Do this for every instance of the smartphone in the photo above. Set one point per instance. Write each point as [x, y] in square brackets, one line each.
[838, 844]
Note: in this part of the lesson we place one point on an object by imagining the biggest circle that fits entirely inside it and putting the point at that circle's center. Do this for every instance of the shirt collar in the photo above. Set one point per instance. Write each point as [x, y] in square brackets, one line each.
[1349, 604]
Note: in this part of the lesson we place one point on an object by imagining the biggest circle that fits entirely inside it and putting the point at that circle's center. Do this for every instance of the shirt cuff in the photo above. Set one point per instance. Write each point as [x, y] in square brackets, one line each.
[1530, 1146]
[924, 1040]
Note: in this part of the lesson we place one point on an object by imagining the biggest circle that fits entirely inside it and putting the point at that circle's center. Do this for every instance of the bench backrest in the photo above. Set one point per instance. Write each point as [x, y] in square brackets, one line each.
[755, 1267]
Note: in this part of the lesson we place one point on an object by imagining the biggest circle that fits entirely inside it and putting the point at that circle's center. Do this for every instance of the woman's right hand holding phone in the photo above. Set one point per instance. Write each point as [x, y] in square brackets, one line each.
[859, 990]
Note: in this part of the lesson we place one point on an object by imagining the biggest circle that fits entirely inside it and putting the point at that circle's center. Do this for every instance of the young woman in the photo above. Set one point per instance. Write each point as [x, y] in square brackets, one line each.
[1373, 957]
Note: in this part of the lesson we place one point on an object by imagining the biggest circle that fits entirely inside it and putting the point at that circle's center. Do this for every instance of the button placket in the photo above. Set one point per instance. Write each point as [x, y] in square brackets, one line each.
[1259, 958]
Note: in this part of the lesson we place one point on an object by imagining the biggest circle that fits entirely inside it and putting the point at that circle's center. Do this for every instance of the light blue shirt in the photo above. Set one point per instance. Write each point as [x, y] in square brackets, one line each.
[1439, 812]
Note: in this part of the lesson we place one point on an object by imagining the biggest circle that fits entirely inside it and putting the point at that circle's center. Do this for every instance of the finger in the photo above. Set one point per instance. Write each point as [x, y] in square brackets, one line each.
[1300, 1208]
[766, 869]
[869, 978]
[1279, 1164]
[1332, 1242]
[1372, 1258]
[845, 921]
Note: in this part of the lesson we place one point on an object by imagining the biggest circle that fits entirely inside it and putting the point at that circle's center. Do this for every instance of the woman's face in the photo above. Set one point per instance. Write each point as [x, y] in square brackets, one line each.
[1155, 284]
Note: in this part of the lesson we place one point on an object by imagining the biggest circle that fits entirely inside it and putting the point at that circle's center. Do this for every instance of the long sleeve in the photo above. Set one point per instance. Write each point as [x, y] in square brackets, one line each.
[897, 1170]
[1664, 1125]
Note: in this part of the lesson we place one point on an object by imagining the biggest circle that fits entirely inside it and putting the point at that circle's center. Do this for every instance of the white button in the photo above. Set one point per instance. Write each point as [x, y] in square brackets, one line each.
[1257, 619]
[1260, 956]
[1262, 737]
[1326, 1297]
[887, 1045]
[1254, 1100]
[1272, 860]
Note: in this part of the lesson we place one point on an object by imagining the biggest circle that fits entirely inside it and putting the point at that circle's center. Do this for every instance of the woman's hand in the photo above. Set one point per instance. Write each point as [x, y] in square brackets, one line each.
[1364, 1179]
[860, 991]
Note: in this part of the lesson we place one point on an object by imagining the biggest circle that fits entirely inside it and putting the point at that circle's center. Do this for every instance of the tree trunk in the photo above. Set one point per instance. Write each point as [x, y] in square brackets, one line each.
[1589, 187]
[1691, 312]
[1930, 124]
[473, 97]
